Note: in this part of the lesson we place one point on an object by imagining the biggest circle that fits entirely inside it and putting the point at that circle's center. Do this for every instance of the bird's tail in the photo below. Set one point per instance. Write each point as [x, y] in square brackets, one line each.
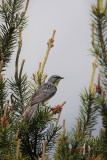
[30, 111]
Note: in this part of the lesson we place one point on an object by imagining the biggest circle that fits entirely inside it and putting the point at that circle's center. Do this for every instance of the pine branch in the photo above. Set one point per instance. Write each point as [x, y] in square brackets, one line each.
[99, 32]
[12, 20]
[32, 133]
[19, 86]
[3, 87]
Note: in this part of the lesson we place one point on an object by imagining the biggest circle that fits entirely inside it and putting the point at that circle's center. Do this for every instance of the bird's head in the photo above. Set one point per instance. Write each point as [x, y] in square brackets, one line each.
[55, 79]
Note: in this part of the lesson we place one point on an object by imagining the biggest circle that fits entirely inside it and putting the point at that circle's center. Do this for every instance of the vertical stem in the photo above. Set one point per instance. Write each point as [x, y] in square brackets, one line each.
[44, 148]
[63, 127]
[58, 118]
[5, 111]
[47, 157]
[78, 129]
[50, 44]
[18, 146]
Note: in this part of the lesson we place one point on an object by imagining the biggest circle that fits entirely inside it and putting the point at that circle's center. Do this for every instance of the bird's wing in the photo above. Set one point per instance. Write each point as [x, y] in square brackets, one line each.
[44, 93]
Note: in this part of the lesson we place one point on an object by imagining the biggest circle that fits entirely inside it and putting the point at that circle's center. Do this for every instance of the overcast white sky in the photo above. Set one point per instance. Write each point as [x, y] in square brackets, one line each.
[70, 56]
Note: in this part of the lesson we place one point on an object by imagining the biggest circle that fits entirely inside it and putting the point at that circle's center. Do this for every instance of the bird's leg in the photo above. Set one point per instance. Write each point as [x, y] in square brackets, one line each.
[46, 106]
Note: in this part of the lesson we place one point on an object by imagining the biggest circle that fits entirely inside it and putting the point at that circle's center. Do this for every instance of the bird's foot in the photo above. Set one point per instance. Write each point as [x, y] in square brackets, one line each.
[47, 106]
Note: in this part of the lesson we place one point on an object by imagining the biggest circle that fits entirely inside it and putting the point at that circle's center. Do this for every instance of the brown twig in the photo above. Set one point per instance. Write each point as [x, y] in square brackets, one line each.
[44, 148]
[17, 133]
[18, 146]
[58, 118]
[63, 127]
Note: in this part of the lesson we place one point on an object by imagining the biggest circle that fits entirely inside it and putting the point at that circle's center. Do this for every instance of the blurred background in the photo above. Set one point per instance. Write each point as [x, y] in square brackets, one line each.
[70, 57]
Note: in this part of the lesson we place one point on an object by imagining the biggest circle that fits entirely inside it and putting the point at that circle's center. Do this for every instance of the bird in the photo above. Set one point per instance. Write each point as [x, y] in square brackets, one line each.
[42, 94]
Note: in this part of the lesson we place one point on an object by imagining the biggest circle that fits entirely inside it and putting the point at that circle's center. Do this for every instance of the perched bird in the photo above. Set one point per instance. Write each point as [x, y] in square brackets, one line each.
[42, 94]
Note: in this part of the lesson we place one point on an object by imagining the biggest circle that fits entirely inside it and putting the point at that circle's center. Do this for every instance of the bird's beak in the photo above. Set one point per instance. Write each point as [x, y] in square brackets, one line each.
[62, 78]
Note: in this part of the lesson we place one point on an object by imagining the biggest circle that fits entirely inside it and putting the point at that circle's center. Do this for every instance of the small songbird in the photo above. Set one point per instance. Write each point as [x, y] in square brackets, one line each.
[42, 94]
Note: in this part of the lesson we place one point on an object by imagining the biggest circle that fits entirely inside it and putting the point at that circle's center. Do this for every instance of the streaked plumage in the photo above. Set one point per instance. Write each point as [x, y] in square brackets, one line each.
[42, 94]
